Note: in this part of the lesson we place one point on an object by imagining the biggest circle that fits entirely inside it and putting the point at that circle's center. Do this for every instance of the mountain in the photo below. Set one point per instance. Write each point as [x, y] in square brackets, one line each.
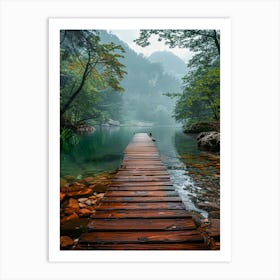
[170, 62]
[145, 84]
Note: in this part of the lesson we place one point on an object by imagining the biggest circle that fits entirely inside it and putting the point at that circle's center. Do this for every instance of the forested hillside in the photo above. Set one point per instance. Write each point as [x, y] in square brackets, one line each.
[171, 63]
[145, 84]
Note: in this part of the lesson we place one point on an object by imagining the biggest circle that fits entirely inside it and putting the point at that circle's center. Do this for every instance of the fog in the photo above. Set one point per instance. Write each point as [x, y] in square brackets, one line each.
[147, 82]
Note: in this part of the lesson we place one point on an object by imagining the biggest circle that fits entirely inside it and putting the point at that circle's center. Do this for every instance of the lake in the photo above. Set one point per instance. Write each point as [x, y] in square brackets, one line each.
[190, 169]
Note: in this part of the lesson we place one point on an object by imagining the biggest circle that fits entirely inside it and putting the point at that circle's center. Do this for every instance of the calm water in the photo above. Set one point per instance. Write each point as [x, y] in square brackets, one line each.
[103, 151]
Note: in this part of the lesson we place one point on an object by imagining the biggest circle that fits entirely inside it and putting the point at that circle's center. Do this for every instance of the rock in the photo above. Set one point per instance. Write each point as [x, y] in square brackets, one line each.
[214, 215]
[62, 196]
[78, 184]
[89, 180]
[80, 193]
[93, 201]
[85, 128]
[208, 206]
[72, 204]
[82, 205]
[84, 212]
[113, 123]
[201, 126]
[209, 141]
[71, 217]
[88, 202]
[82, 199]
[91, 208]
[100, 195]
[66, 242]
[214, 229]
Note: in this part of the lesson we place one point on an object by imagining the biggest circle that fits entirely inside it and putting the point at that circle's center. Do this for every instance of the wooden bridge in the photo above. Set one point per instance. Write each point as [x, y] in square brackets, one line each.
[141, 210]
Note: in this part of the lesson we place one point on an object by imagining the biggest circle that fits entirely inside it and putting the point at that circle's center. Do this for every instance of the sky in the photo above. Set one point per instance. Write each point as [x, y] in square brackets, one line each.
[129, 35]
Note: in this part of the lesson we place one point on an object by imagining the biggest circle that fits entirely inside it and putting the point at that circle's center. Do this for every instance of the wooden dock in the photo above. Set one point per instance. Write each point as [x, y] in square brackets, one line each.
[141, 210]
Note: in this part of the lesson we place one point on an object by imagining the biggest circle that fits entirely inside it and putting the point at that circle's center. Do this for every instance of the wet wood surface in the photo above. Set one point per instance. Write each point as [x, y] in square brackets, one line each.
[142, 210]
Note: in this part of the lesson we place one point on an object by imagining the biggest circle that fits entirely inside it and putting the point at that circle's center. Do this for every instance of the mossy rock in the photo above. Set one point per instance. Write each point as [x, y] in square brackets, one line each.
[201, 127]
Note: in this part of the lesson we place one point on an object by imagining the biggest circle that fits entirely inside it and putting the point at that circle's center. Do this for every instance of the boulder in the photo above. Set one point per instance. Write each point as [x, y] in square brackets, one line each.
[209, 141]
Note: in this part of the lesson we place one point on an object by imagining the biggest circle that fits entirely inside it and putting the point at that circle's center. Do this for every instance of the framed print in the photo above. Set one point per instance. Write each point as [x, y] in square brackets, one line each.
[136, 116]
[120, 142]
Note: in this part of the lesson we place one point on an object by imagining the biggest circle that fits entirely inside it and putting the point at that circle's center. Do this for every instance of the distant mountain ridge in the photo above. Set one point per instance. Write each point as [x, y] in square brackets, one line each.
[170, 62]
[145, 84]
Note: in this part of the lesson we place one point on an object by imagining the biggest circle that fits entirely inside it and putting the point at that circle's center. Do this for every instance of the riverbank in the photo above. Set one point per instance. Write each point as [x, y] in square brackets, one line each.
[204, 170]
[78, 201]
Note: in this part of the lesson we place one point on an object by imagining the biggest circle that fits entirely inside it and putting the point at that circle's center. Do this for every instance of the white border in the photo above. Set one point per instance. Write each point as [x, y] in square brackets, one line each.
[55, 255]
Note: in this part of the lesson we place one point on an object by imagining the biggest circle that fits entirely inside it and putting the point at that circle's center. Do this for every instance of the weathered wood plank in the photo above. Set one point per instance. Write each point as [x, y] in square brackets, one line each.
[136, 213]
[141, 224]
[146, 205]
[106, 237]
[141, 193]
[141, 188]
[144, 246]
[142, 199]
[128, 184]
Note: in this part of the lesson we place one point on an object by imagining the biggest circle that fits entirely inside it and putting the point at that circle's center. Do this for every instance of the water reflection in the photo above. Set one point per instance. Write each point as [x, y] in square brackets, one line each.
[103, 151]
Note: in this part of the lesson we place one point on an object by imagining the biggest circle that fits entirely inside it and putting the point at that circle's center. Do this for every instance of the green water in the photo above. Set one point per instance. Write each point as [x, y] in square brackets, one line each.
[103, 151]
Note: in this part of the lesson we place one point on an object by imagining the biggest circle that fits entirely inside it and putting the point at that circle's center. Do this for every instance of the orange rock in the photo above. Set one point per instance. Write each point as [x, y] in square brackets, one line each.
[72, 203]
[82, 205]
[89, 179]
[80, 193]
[73, 216]
[84, 212]
[91, 207]
[78, 185]
[65, 242]
[62, 195]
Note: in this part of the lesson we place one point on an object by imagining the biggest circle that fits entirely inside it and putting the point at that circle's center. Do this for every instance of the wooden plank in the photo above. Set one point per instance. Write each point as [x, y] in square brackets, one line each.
[141, 193]
[141, 237]
[144, 246]
[142, 199]
[150, 213]
[141, 179]
[142, 173]
[140, 224]
[141, 206]
[139, 184]
[142, 188]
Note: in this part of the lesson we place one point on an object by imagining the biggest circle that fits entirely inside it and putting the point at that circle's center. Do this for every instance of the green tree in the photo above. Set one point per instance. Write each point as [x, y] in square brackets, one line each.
[87, 68]
[200, 97]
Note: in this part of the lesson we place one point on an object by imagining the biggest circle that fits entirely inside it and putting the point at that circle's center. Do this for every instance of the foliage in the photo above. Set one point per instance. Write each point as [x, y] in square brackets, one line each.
[200, 97]
[144, 86]
[87, 69]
